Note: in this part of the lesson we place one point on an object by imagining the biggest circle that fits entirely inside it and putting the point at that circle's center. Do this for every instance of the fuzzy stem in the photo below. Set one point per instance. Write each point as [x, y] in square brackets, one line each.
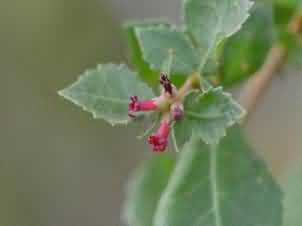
[193, 82]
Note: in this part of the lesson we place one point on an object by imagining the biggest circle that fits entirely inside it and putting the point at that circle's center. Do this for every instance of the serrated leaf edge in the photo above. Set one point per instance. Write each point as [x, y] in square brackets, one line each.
[162, 27]
[63, 93]
[230, 124]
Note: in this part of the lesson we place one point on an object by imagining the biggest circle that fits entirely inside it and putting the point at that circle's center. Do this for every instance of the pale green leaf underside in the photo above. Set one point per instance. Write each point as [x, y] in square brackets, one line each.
[224, 185]
[207, 116]
[105, 92]
[145, 188]
[212, 21]
[158, 43]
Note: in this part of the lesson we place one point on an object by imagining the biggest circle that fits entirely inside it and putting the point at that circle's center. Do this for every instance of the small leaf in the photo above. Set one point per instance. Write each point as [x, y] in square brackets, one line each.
[158, 43]
[210, 22]
[207, 116]
[105, 92]
[145, 189]
[245, 52]
[220, 186]
[292, 187]
[144, 70]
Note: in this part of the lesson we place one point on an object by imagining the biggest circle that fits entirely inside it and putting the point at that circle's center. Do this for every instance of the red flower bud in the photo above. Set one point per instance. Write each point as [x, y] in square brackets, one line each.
[177, 111]
[159, 140]
[135, 105]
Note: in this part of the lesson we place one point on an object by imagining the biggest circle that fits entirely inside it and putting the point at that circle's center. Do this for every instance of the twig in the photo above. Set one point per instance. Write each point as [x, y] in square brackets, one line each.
[257, 84]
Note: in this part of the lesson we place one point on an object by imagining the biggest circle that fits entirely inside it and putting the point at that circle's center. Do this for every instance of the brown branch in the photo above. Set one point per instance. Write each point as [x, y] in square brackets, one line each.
[275, 60]
[257, 84]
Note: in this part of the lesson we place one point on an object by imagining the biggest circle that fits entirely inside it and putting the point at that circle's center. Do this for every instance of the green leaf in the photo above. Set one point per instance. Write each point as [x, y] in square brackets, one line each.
[144, 70]
[158, 43]
[223, 186]
[284, 11]
[145, 189]
[105, 92]
[294, 4]
[151, 76]
[210, 22]
[245, 52]
[207, 116]
[292, 188]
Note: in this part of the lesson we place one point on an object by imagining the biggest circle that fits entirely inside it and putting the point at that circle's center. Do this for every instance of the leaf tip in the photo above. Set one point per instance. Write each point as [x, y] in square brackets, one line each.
[65, 94]
[61, 92]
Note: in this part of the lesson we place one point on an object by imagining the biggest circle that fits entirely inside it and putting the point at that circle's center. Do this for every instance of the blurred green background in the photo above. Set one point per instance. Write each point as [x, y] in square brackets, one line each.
[58, 166]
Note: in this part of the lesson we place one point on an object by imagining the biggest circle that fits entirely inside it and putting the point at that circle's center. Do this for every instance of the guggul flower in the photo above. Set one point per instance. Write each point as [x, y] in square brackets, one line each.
[159, 139]
[136, 105]
[167, 104]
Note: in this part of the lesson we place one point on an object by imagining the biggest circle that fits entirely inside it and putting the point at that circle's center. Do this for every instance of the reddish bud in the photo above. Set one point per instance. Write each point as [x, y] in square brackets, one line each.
[165, 82]
[135, 105]
[159, 140]
[177, 111]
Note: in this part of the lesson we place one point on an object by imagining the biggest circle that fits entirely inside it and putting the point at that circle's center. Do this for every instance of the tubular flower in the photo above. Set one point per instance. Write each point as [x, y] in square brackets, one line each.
[136, 105]
[159, 139]
[168, 103]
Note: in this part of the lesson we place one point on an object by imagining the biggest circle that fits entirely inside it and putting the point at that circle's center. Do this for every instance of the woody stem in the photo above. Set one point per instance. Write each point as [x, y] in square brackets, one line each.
[257, 85]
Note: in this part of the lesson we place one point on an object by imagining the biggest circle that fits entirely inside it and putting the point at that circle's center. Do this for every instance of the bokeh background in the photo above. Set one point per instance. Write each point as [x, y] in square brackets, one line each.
[58, 166]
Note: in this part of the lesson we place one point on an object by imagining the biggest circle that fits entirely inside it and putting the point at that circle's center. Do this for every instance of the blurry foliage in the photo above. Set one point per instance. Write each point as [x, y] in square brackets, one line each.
[244, 53]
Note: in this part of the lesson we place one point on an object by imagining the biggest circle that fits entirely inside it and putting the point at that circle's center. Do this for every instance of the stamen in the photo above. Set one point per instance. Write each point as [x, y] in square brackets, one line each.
[166, 83]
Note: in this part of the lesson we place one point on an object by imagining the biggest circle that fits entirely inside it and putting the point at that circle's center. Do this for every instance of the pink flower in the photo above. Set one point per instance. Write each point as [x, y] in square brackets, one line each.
[159, 140]
[136, 105]
[170, 107]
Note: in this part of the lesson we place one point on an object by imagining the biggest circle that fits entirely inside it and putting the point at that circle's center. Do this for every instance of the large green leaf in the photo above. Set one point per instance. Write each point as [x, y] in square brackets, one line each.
[295, 4]
[220, 186]
[210, 22]
[245, 52]
[292, 187]
[284, 11]
[207, 116]
[159, 43]
[105, 92]
[145, 189]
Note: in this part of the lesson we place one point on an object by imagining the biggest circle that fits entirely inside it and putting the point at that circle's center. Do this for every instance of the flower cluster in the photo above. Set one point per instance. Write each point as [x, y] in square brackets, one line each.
[168, 104]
